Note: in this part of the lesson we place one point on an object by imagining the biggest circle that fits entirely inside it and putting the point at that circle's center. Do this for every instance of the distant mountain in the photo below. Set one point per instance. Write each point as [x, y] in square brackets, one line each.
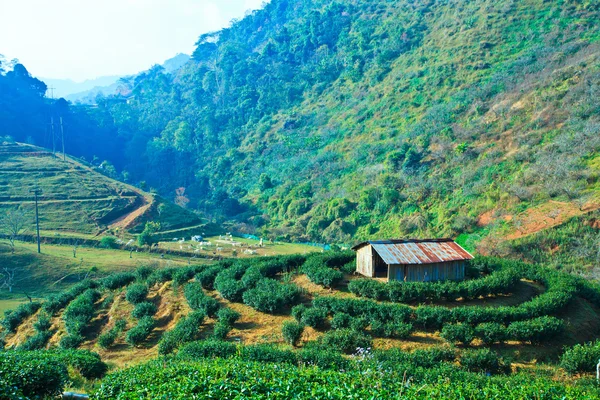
[66, 87]
[86, 92]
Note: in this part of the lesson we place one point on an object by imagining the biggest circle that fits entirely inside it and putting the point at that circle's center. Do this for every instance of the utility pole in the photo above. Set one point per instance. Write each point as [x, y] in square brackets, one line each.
[53, 136]
[36, 191]
[51, 89]
[62, 135]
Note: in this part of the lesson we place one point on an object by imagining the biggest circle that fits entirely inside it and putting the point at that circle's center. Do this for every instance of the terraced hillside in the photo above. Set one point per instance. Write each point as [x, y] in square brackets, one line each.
[77, 198]
[129, 317]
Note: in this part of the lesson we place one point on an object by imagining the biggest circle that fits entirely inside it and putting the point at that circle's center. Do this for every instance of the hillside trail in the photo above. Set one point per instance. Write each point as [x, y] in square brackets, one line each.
[541, 217]
[124, 221]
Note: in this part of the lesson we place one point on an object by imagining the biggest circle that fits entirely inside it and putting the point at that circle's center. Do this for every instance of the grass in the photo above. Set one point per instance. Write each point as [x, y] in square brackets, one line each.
[56, 268]
[241, 245]
[76, 199]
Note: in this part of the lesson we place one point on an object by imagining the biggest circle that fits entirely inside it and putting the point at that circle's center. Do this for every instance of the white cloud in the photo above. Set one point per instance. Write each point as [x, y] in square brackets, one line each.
[81, 39]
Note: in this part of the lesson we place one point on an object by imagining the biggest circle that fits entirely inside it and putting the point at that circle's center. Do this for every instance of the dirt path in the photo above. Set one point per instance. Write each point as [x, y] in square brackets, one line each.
[125, 221]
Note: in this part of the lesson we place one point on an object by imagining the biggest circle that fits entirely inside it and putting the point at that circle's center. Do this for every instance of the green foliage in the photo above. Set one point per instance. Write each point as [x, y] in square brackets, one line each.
[144, 272]
[43, 322]
[37, 341]
[221, 330]
[483, 360]
[458, 333]
[117, 280]
[29, 376]
[198, 300]
[109, 242]
[320, 268]
[136, 293]
[207, 349]
[138, 334]
[144, 309]
[345, 340]
[77, 316]
[227, 316]
[535, 330]
[71, 341]
[146, 238]
[107, 339]
[271, 296]
[499, 282]
[491, 332]
[341, 320]
[398, 330]
[581, 357]
[58, 301]
[13, 318]
[315, 317]
[187, 330]
[292, 332]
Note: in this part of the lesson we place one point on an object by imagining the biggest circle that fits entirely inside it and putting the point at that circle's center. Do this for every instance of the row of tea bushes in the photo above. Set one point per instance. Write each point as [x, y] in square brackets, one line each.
[534, 331]
[498, 282]
[328, 269]
[77, 316]
[238, 378]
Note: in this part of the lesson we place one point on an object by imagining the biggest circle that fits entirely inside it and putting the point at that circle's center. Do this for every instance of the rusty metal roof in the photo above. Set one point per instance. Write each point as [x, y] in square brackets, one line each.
[416, 251]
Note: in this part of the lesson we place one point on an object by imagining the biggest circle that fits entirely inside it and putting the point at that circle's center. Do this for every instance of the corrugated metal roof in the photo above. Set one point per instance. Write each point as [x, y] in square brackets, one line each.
[418, 251]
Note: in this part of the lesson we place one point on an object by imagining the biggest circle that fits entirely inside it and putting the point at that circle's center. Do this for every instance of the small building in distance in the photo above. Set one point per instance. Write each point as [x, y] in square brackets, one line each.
[412, 260]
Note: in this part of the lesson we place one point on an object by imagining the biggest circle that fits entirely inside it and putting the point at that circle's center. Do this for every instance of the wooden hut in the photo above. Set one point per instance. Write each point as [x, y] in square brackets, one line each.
[412, 260]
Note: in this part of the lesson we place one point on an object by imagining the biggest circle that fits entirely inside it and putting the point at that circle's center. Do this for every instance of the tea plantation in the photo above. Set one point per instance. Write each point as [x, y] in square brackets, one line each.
[305, 326]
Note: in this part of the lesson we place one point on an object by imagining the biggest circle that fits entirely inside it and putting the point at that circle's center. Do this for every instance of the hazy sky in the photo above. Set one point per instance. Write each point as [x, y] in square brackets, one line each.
[83, 39]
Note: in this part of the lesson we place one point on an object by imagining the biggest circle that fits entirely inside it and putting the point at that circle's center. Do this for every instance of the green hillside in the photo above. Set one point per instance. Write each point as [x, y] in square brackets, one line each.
[77, 199]
[348, 120]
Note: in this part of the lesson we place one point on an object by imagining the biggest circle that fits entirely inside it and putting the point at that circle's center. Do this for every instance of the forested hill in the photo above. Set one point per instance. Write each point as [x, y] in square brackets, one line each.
[344, 120]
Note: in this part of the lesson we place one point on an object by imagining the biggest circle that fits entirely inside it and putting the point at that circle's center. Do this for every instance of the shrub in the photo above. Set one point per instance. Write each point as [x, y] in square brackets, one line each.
[78, 314]
[228, 316]
[322, 275]
[535, 330]
[143, 273]
[207, 349]
[349, 268]
[298, 311]
[271, 296]
[136, 293]
[56, 302]
[198, 300]
[458, 333]
[398, 330]
[491, 332]
[207, 276]
[145, 309]
[314, 317]
[341, 320]
[322, 358]
[432, 317]
[140, 332]
[118, 280]
[182, 275]
[160, 276]
[581, 357]
[14, 318]
[71, 341]
[230, 288]
[359, 323]
[267, 353]
[26, 376]
[107, 339]
[186, 330]
[483, 360]
[109, 242]
[292, 332]
[221, 331]
[345, 340]
[37, 341]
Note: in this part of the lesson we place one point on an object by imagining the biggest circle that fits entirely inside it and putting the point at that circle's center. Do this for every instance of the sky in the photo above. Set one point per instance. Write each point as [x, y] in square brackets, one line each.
[86, 39]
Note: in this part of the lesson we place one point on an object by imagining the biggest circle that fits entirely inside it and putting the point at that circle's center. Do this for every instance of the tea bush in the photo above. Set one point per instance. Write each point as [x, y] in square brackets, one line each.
[483, 360]
[136, 293]
[345, 340]
[36, 341]
[292, 332]
[271, 296]
[315, 317]
[58, 301]
[581, 357]
[187, 330]
[458, 333]
[78, 314]
[267, 353]
[207, 349]
[228, 316]
[117, 280]
[535, 330]
[144, 309]
[491, 332]
[138, 334]
[198, 300]
[14, 318]
[107, 339]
